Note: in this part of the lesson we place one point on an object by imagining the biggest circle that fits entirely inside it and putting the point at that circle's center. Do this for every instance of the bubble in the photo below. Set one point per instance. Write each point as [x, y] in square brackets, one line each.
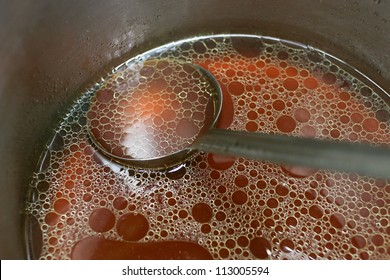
[370, 125]
[221, 189]
[364, 256]
[252, 115]
[272, 203]
[251, 126]
[171, 202]
[242, 241]
[101, 220]
[206, 228]
[357, 118]
[291, 222]
[290, 84]
[358, 241]
[52, 218]
[302, 115]
[365, 91]
[291, 71]
[278, 105]
[255, 224]
[132, 226]
[70, 221]
[261, 184]
[230, 243]
[345, 96]
[282, 190]
[287, 246]
[260, 64]
[335, 133]
[202, 212]
[377, 240]
[310, 83]
[286, 124]
[120, 203]
[344, 119]
[43, 186]
[316, 211]
[337, 220]
[382, 115]
[260, 248]
[87, 197]
[236, 88]
[364, 212]
[53, 241]
[168, 115]
[183, 214]
[239, 197]
[269, 223]
[224, 253]
[241, 181]
[310, 194]
[272, 72]
[248, 46]
[329, 78]
[199, 47]
[104, 95]
[61, 206]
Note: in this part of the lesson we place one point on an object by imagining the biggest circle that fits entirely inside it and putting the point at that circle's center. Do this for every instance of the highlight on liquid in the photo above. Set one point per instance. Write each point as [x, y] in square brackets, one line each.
[83, 205]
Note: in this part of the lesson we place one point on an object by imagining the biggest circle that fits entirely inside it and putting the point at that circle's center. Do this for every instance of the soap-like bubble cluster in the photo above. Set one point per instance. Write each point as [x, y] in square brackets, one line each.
[214, 206]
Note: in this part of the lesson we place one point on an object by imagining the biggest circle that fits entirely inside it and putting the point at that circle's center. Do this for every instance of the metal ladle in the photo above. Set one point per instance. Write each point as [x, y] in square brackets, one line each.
[164, 111]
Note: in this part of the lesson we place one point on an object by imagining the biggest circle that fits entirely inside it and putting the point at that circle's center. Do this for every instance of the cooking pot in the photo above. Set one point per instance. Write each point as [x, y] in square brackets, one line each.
[51, 50]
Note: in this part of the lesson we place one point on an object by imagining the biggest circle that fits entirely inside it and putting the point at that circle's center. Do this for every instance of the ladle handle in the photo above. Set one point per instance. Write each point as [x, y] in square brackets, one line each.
[340, 156]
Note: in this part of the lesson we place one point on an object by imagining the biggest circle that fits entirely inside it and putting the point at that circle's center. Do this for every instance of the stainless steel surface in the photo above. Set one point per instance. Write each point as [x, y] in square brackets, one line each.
[50, 50]
[312, 153]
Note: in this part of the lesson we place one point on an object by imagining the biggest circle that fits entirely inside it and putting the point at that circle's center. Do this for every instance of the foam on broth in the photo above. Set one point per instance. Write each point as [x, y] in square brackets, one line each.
[83, 205]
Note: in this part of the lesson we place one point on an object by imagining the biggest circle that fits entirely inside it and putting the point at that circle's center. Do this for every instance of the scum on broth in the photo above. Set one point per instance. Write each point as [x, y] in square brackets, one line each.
[222, 207]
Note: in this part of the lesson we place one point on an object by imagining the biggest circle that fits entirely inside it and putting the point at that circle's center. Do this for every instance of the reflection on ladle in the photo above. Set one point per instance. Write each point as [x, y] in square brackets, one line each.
[165, 110]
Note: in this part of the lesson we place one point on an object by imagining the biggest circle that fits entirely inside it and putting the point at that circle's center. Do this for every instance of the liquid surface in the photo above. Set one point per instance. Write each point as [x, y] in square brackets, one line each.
[83, 205]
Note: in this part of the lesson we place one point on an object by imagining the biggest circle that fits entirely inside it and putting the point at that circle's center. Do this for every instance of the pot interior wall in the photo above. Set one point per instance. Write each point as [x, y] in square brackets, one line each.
[50, 51]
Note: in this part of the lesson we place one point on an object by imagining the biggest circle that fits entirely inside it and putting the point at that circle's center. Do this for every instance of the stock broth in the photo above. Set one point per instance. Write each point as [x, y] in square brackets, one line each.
[82, 205]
